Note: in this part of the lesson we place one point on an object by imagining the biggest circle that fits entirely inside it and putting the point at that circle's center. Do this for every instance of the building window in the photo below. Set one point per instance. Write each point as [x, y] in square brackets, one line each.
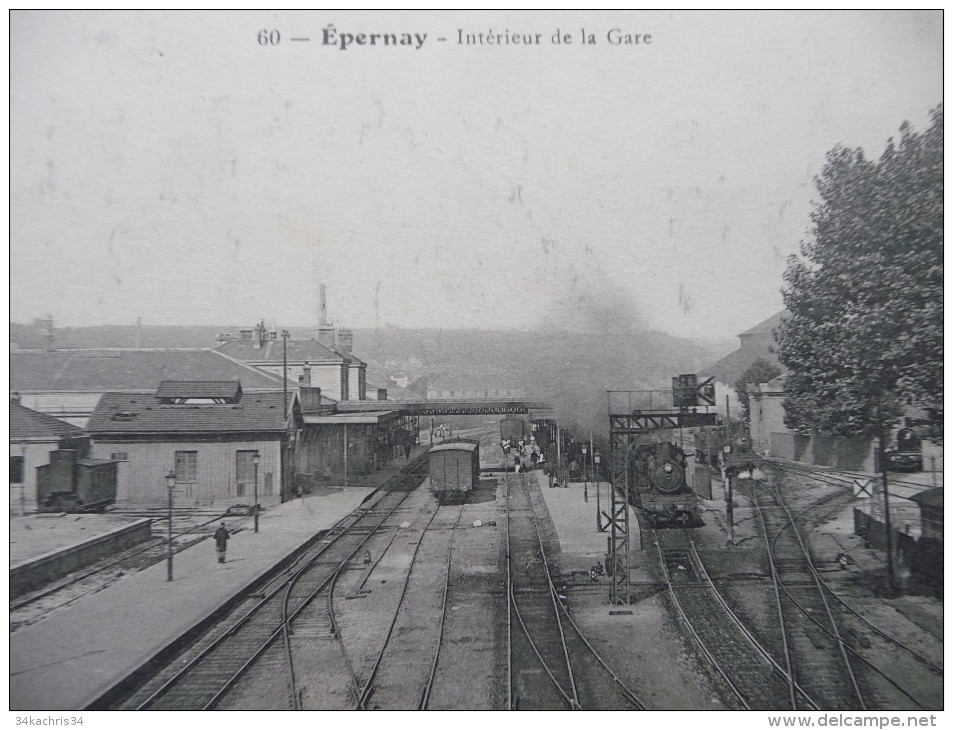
[16, 470]
[186, 467]
[119, 456]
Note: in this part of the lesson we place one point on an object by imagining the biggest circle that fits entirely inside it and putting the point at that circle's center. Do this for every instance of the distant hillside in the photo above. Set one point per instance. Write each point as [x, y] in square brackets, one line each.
[571, 370]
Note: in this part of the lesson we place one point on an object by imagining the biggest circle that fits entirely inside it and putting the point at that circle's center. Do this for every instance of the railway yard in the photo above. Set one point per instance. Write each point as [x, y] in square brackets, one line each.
[406, 603]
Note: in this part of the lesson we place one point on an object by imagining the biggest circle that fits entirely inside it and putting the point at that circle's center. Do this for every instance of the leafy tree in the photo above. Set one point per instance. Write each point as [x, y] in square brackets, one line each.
[760, 371]
[866, 327]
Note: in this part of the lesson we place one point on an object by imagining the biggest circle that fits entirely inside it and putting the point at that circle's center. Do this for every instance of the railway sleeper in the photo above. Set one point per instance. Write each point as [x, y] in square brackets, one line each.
[532, 591]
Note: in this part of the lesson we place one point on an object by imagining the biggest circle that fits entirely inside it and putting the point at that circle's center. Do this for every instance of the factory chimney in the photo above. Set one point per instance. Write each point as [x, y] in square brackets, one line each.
[325, 330]
[322, 305]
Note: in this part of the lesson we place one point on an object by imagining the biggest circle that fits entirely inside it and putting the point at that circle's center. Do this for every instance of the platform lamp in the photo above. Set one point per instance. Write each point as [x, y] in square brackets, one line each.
[170, 484]
[585, 474]
[597, 458]
[255, 459]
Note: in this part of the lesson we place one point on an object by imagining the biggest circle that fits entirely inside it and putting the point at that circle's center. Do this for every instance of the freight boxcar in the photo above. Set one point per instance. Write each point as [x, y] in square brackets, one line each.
[454, 470]
[514, 428]
[72, 484]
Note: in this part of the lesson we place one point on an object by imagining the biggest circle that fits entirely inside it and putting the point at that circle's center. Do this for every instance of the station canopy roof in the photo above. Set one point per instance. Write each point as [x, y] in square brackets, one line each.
[456, 446]
[339, 419]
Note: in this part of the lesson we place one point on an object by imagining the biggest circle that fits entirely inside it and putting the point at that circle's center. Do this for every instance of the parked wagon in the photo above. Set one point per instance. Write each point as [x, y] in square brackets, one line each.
[514, 428]
[72, 484]
[454, 470]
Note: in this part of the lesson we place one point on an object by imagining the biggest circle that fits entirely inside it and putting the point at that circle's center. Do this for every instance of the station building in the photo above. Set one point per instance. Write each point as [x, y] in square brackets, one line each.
[205, 432]
[328, 360]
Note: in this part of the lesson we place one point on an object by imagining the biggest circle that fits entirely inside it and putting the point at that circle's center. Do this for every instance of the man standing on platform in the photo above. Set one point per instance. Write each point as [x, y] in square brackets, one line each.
[221, 542]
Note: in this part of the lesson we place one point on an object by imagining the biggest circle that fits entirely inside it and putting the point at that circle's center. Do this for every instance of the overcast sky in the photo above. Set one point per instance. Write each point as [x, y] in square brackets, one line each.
[166, 165]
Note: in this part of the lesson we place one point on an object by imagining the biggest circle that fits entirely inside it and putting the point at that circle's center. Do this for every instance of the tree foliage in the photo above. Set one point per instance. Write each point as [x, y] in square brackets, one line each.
[760, 371]
[866, 299]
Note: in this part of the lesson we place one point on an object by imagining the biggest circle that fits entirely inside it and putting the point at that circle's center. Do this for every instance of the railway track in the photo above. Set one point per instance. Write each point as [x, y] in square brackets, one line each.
[860, 641]
[412, 630]
[551, 664]
[258, 636]
[748, 671]
[425, 696]
[819, 655]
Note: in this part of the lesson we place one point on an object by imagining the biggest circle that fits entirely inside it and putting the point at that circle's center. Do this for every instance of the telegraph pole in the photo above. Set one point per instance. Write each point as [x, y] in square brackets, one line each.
[726, 456]
[285, 334]
[891, 578]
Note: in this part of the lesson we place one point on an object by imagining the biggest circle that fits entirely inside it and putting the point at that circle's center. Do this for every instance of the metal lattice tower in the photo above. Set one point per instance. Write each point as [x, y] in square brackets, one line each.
[619, 519]
[634, 413]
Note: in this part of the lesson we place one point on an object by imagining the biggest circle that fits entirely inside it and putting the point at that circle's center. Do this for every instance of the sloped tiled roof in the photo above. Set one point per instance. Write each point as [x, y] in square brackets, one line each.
[767, 326]
[27, 423]
[929, 497]
[272, 351]
[755, 343]
[142, 413]
[127, 369]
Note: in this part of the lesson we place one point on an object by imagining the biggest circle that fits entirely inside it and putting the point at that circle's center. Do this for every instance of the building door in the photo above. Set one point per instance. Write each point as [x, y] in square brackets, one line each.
[244, 473]
[16, 470]
[186, 471]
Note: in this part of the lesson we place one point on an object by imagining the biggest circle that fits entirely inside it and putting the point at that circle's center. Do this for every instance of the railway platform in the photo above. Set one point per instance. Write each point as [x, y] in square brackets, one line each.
[73, 657]
[573, 512]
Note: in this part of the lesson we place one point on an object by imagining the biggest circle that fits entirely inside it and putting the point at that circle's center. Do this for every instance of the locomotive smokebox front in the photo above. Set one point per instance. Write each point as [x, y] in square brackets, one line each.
[668, 478]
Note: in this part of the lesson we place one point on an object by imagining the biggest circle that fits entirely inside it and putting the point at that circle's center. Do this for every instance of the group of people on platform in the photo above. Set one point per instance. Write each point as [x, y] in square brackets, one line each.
[526, 455]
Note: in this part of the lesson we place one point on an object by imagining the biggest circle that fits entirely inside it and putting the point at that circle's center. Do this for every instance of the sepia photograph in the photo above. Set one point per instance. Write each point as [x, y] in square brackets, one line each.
[476, 361]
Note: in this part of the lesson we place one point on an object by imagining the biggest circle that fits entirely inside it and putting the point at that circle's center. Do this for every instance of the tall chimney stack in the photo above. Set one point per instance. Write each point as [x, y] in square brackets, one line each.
[322, 305]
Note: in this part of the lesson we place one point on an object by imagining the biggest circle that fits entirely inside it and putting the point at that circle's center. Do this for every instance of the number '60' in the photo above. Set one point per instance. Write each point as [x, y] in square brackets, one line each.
[269, 37]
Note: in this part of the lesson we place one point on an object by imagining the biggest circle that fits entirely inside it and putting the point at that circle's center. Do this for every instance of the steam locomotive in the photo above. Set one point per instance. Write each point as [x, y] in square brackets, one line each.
[659, 488]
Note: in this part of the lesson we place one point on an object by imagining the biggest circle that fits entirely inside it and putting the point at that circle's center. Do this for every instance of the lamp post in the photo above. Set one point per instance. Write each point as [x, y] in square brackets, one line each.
[585, 474]
[597, 459]
[170, 484]
[256, 457]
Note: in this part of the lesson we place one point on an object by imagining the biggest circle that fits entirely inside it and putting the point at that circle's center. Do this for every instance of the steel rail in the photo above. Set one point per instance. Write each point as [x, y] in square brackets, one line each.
[369, 684]
[880, 632]
[819, 580]
[893, 640]
[786, 674]
[546, 668]
[337, 531]
[286, 618]
[823, 596]
[157, 542]
[691, 628]
[509, 608]
[776, 583]
[424, 701]
[571, 701]
[556, 603]
[627, 693]
[854, 651]
[335, 632]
